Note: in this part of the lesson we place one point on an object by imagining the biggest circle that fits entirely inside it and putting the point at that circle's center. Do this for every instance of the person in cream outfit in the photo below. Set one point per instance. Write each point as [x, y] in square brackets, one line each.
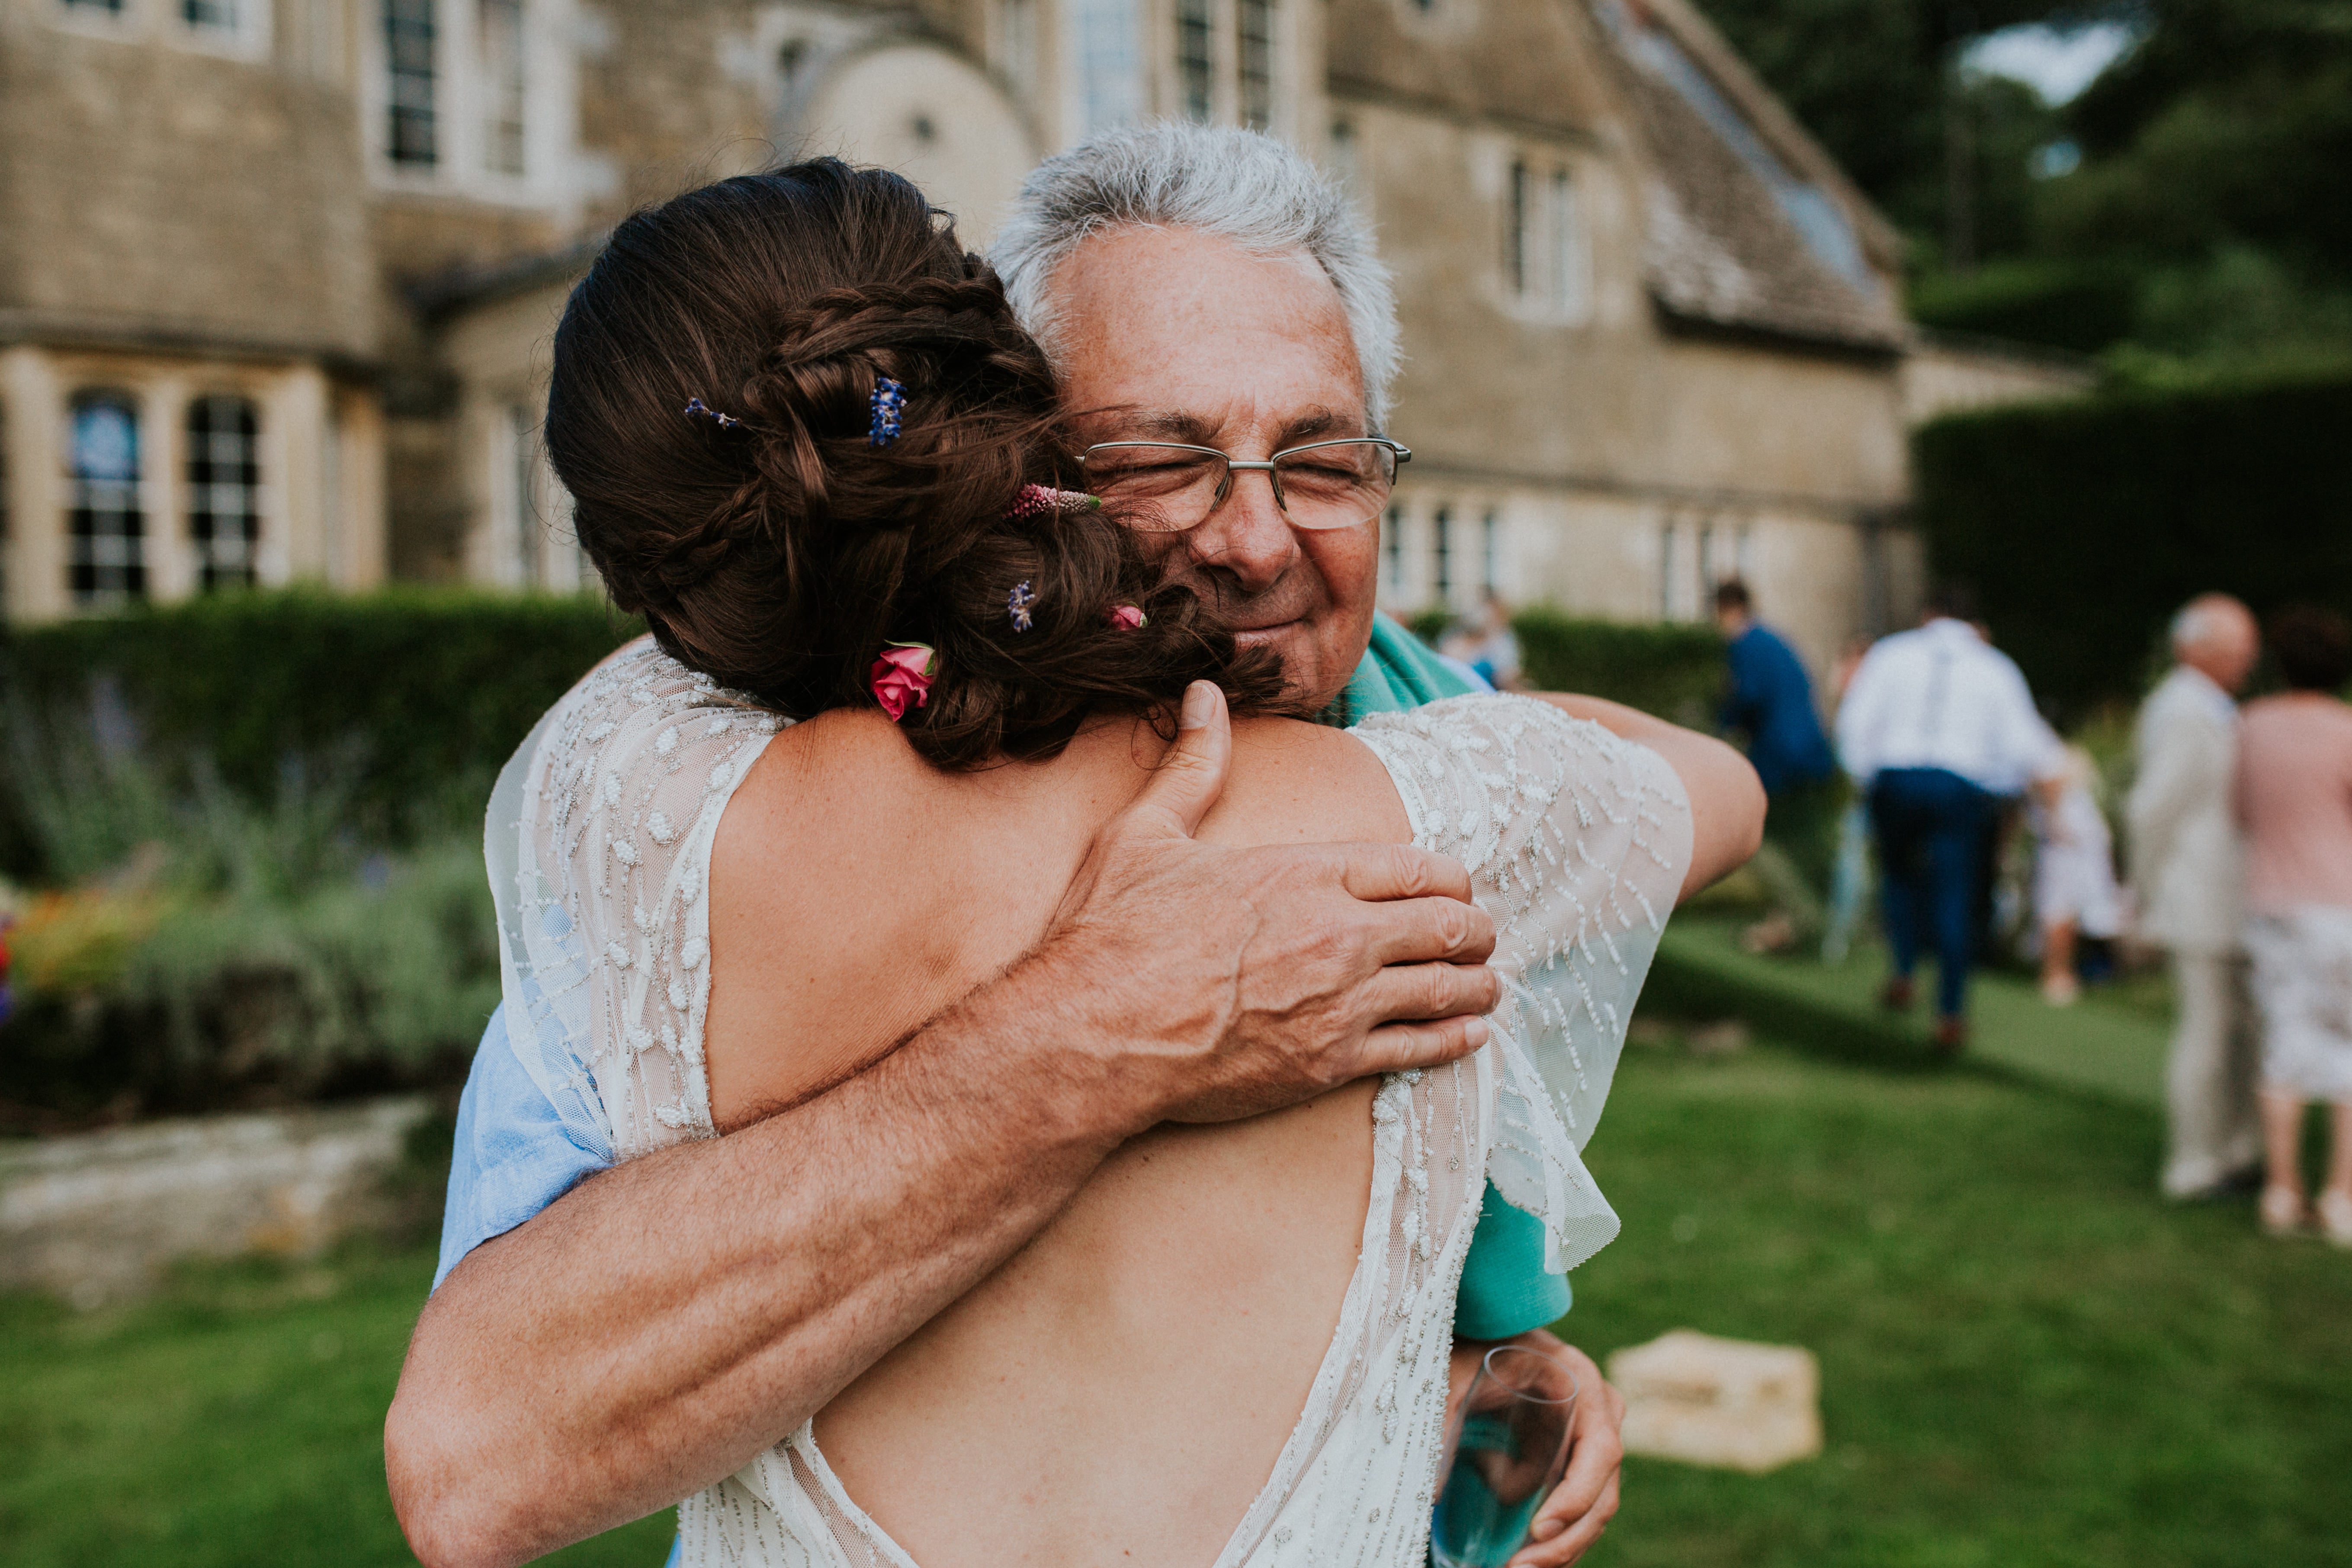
[2187, 869]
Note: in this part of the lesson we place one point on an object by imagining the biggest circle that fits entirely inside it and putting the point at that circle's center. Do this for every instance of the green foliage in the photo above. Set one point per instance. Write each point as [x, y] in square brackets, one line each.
[2237, 313]
[417, 695]
[1671, 670]
[2058, 304]
[1871, 80]
[2086, 525]
[1430, 625]
[2231, 123]
[2209, 219]
[215, 950]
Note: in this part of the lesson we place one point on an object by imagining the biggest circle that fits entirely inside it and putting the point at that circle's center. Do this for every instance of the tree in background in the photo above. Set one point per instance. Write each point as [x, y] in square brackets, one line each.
[2217, 165]
[1879, 82]
[2191, 209]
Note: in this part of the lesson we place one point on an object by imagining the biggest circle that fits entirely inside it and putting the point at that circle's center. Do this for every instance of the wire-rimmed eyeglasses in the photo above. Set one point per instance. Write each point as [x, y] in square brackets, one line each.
[1167, 487]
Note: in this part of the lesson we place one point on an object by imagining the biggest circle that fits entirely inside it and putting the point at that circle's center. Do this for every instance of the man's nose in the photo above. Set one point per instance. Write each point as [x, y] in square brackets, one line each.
[1248, 536]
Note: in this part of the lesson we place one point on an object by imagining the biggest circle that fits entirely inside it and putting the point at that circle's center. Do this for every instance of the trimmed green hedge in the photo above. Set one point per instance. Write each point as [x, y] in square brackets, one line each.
[1673, 670]
[2086, 525]
[2062, 305]
[422, 693]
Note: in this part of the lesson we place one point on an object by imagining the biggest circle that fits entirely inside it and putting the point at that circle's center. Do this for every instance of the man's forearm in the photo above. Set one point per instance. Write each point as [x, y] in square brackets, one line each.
[665, 1322]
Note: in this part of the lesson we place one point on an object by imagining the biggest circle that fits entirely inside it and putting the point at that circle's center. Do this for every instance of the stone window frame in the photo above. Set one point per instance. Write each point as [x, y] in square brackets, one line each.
[1545, 262]
[463, 164]
[163, 386]
[520, 537]
[1224, 62]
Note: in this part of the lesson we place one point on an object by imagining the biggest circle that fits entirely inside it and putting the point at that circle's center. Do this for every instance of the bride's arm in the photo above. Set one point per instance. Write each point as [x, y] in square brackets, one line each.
[650, 1331]
[1726, 800]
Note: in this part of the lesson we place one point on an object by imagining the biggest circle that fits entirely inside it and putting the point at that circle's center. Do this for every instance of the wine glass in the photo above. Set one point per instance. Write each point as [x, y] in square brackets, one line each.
[1505, 1452]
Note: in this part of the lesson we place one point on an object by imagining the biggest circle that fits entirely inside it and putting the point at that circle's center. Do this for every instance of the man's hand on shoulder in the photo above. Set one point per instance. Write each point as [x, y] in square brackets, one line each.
[1224, 981]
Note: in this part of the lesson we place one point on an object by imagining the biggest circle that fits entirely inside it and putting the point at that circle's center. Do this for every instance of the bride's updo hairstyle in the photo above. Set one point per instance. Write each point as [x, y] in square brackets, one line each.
[781, 555]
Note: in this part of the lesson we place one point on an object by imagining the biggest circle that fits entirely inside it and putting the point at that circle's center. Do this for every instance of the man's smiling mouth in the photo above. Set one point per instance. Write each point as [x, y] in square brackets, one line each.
[1265, 633]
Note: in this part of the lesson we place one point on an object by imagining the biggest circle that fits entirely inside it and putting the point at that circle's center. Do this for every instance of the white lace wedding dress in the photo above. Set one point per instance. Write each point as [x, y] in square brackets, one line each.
[599, 847]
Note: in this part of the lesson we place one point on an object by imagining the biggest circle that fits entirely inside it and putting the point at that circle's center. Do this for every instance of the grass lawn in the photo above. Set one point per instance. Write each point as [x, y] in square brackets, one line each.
[2111, 1044]
[2027, 1359]
[236, 1420]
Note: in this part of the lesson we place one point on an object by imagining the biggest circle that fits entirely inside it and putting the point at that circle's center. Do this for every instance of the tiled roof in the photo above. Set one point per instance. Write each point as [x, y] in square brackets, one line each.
[1737, 236]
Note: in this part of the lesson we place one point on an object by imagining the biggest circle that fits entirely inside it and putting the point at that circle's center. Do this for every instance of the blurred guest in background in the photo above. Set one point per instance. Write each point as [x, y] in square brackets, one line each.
[1768, 703]
[1487, 645]
[2295, 800]
[1850, 872]
[2187, 868]
[2075, 891]
[1938, 730]
[1770, 698]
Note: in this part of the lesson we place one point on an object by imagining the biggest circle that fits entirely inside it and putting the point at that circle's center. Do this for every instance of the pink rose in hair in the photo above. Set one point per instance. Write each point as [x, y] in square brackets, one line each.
[901, 678]
[1126, 618]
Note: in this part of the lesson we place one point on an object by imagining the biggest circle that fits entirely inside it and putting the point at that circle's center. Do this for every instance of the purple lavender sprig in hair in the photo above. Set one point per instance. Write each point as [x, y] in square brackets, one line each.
[889, 402]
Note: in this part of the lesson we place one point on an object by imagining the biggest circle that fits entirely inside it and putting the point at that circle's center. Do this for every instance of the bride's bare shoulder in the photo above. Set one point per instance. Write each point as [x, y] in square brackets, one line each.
[1297, 781]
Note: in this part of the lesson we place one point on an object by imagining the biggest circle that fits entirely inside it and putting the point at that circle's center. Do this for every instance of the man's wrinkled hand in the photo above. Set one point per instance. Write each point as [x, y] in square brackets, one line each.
[1249, 979]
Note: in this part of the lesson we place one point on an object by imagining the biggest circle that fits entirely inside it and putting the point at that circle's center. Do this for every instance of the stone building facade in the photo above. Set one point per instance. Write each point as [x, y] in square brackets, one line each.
[277, 277]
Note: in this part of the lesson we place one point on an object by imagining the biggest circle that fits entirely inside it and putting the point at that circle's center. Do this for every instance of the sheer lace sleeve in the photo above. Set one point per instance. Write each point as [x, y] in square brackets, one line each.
[1577, 843]
[599, 849]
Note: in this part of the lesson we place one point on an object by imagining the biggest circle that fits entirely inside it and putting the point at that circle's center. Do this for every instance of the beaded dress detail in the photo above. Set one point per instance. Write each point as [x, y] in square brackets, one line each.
[1575, 842]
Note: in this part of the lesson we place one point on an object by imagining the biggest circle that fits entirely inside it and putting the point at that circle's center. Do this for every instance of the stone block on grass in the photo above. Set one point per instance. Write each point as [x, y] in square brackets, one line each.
[1727, 1403]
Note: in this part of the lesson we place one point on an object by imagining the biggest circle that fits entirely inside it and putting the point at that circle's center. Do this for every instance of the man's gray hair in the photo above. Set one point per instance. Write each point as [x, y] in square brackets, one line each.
[1240, 185]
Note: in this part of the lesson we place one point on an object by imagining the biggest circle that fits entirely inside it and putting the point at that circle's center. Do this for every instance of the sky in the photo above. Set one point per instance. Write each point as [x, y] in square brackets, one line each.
[2056, 64]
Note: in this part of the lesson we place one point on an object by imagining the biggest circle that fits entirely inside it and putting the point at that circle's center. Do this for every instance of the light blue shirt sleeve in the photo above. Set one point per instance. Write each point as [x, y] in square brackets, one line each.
[513, 1157]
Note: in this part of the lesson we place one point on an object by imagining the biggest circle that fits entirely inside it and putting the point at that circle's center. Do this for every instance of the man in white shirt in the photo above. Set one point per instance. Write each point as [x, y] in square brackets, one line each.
[2187, 864]
[1938, 730]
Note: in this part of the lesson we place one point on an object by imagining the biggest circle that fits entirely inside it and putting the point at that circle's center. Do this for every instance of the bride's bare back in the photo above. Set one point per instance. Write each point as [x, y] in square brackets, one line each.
[1119, 1391]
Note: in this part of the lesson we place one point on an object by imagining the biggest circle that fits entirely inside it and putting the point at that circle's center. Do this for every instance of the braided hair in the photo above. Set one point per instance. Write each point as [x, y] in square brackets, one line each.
[780, 551]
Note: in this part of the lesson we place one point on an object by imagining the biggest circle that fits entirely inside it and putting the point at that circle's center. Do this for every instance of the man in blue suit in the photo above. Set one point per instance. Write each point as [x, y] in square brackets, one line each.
[1769, 701]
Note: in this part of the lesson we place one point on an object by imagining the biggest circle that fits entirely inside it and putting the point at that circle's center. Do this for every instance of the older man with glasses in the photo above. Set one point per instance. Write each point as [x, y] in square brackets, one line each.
[1226, 339]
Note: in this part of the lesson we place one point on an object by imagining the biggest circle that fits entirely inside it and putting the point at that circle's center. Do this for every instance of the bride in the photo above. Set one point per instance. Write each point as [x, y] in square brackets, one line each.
[908, 656]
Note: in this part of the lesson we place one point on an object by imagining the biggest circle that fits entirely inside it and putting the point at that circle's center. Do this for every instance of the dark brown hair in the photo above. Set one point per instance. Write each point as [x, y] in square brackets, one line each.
[2312, 646]
[780, 555]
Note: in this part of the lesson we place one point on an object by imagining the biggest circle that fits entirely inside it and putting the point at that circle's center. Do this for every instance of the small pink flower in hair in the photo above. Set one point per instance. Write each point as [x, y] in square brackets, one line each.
[1126, 617]
[1036, 498]
[901, 678]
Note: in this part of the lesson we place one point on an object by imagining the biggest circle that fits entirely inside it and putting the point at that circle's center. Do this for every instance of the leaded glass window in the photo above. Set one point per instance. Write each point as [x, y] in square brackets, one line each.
[1196, 59]
[412, 82]
[1255, 21]
[106, 561]
[224, 491]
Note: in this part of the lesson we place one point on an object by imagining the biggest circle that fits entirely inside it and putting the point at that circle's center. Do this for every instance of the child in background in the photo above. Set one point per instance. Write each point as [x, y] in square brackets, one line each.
[2074, 892]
